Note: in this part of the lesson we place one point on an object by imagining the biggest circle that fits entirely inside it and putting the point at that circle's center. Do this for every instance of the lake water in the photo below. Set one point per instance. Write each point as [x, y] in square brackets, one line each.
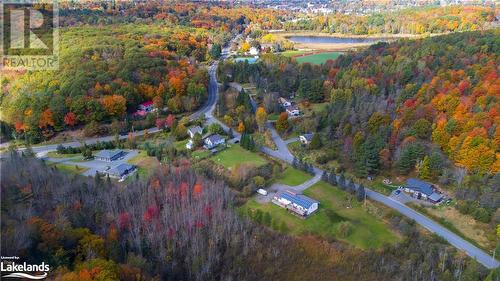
[335, 40]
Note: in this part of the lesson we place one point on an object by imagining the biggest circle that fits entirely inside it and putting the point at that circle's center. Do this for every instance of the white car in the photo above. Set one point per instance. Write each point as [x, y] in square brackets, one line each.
[262, 191]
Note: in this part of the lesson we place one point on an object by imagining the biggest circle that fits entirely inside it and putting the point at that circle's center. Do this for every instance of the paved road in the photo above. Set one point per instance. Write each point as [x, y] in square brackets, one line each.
[432, 226]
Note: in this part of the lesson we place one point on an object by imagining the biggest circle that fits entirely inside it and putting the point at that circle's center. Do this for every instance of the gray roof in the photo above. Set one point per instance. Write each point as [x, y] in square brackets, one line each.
[298, 199]
[420, 186]
[196, 130]
[108, 153]
[435, 197]
[214, 138]
[122, 169]
[308, 137]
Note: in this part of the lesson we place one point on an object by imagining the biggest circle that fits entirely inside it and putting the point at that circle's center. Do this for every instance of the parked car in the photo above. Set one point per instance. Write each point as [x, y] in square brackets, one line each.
[262, 191]
[397, 191]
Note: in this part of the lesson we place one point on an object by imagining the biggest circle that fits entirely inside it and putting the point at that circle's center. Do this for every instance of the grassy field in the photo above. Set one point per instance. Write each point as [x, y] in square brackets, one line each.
[292, 53]
[364, 230]
[54, 154]
[319, 58]
[292, 177]
[200, 154]
[464, 226]
[69, 168]
[234, 155]
[145, 164]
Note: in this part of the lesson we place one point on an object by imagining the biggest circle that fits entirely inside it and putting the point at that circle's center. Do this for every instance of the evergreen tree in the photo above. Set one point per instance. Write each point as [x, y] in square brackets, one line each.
[325, 176]
[342, 181]
[97, 179]
[295, 162]
[371, 156]
[315, 142]
[351, 187]
[266, 219]
[424, 171]
[332, 179]
[361, 193]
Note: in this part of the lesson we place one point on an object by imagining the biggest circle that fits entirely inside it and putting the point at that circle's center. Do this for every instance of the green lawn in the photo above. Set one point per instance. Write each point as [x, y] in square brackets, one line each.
[319, 58]
[366, 231]
[234, 155]
[292, 177]
[181, 145]
[69, 168]
[292, 53]
[200, 154]
[54, 154]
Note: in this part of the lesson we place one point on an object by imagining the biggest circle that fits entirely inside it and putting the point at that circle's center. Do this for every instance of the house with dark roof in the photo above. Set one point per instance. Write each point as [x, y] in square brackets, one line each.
[296, 203]
[109, 155]
[422, 190]
[306, 138]
[121, 170]
[213, 141]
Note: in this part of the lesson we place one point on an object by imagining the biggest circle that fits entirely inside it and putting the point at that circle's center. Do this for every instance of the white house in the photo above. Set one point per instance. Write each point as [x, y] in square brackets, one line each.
[121, 171]
[306, 138]
[284, 102]
[297, 203]
[292, 110]
[213, 141]
[253, 51]
[194, 130]
[147, 106]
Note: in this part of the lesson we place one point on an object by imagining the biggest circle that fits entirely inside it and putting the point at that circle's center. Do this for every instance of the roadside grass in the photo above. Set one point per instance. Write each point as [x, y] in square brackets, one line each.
[292, 177]
[364, 230]
[69, 168]
[264, 140]
[146, 165]
[382, 188]
[318, 58]
[462, 225]
[235, 154]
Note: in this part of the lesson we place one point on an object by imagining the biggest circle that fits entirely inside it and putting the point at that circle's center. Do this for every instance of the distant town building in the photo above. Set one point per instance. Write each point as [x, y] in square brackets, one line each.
[422, 190]
[296, 203]
[253, 51]
[213, 141]
[147, 106]
[109, 155]
[306, 138]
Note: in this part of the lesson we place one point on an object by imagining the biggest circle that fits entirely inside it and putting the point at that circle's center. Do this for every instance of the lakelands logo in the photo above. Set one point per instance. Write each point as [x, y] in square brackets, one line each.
[11, 268]
[29, 34]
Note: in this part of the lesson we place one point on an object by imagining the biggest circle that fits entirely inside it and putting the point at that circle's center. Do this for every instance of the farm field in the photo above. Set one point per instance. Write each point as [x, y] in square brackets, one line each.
[234, 155]
[318, 58]
[336, 218]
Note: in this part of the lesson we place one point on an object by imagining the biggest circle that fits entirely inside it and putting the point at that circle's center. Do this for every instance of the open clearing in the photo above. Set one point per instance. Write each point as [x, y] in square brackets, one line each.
[145, 164]
[318, 58]
[234, 155]
[364, 230]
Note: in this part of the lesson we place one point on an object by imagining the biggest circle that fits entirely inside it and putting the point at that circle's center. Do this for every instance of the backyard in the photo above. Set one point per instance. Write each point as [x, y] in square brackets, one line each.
[339, 217]
[235, 154]
[292, 177]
